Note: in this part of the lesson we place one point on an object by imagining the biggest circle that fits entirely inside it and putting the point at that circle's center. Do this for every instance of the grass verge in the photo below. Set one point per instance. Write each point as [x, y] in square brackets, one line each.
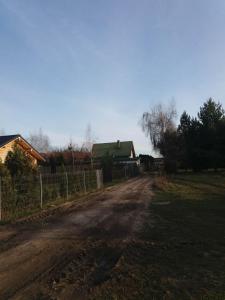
[180, 252]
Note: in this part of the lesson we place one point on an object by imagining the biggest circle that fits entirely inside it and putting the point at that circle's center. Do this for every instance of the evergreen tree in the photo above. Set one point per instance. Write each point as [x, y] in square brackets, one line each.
[18, 163]
[201, 140]
[211, 113]
[183, 132]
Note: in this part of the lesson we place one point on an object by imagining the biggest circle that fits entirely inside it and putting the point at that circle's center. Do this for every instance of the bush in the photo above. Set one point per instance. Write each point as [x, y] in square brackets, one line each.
[18, 163]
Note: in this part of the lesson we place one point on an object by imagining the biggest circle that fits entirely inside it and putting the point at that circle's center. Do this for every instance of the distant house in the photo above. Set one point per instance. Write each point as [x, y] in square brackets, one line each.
[158, 163]
[67, 157]
[146, 162]
[121, 152]
[8, 142]
[61, 160]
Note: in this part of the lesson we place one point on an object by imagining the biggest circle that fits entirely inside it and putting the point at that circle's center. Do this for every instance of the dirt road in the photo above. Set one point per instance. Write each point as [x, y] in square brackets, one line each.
[71, 253]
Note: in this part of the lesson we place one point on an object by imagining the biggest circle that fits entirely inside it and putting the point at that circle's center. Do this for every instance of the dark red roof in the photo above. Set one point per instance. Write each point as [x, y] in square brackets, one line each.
[68, 155]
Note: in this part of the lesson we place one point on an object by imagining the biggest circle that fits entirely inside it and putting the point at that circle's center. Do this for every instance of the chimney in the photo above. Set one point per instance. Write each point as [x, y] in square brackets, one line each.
[118, 144]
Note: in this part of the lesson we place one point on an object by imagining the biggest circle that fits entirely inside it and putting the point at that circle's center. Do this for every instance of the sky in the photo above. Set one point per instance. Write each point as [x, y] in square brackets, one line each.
[65, 64]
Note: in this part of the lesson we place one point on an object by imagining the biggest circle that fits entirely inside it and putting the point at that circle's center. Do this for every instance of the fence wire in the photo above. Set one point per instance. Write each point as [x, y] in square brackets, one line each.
[21, 196]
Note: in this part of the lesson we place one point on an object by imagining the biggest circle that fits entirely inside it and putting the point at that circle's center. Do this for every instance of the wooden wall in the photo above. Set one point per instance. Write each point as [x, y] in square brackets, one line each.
[9, 147]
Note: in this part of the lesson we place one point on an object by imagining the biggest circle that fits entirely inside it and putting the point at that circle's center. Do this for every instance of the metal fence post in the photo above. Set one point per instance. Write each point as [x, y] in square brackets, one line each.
[67, 187]
[0, 198]
[85, 189]
[99, 179]
[41, 191]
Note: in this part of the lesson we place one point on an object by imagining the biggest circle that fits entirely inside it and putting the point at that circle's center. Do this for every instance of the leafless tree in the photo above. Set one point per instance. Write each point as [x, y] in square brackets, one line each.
[73, 146]
[40, 141]
[89, 139]
[157, 121]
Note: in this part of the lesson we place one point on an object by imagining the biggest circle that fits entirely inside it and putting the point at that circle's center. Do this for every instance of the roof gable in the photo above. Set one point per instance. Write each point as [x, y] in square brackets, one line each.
[5, 139]
[116, 149]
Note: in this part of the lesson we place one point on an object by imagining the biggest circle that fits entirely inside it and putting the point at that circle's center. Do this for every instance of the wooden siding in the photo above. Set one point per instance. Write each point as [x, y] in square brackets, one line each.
[9, 147]
[5, 149]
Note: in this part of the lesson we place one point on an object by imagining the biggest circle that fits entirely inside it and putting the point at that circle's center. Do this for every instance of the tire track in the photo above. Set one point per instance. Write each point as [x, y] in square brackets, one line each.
[81, 241]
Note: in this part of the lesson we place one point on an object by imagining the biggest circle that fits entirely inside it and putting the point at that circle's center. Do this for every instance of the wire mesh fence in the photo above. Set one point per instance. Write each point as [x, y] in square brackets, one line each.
[24, 195]
[124, 172]
[21, 196]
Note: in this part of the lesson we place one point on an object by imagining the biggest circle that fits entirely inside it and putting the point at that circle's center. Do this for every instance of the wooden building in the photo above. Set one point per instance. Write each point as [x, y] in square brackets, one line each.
[8, 142]
[59, 161]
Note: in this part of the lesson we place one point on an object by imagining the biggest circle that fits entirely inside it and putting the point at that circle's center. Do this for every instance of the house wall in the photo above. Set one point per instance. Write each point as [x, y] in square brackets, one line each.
[5, 149]
[9, 147]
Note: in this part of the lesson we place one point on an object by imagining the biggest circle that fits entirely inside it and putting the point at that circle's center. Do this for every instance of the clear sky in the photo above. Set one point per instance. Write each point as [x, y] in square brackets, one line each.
[67, 63]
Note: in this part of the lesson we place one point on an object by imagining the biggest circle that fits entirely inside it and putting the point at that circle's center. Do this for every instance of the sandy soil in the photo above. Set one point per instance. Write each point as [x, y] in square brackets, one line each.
[71, 252]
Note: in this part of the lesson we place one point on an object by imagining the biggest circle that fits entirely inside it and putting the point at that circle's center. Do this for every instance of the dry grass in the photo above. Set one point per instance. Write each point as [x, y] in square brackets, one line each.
[180, 255]
[160, 183]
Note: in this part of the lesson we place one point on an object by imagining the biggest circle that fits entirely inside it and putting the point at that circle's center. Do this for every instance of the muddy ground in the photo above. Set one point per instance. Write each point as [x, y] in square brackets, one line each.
[75, 250]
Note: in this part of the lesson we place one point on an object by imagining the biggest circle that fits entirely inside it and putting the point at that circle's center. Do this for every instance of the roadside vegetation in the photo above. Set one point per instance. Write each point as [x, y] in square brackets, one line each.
[180, 251]
[197, 143]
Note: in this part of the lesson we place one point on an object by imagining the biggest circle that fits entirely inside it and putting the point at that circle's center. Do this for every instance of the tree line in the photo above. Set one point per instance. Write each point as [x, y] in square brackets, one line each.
[196, 143]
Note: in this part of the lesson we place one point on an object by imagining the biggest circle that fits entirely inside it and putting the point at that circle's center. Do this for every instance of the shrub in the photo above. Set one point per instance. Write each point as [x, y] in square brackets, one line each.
[18, 163]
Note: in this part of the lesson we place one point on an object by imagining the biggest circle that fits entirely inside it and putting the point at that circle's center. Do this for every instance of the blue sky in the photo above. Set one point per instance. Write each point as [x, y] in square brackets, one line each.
[64, 64]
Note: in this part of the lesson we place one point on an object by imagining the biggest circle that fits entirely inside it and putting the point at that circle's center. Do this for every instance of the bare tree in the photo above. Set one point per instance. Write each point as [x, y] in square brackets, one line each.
[40, 141]
[73, 146]
[89, 139]
[157, 121]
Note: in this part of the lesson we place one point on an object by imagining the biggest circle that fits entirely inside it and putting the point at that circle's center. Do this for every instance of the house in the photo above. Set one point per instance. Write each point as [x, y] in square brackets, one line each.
[67, 157]
[61, 160]
[121, 152]
[158, 163]
[8, 142]
[146, 162]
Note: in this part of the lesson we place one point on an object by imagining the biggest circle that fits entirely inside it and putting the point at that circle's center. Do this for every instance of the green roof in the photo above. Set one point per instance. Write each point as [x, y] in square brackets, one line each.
[116, 149]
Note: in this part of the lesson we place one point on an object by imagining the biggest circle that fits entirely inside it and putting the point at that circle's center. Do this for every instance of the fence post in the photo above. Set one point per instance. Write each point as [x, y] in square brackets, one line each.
[67, 187]
[0, 198]
[99, 179]
[85, 189]
[41, 192]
